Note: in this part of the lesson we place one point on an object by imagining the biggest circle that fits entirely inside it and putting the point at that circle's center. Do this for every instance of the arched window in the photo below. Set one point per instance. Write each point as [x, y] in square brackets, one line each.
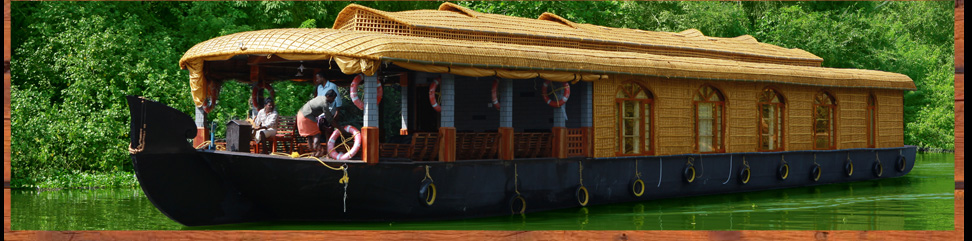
[709, 120]
[871, 119]
[634, 110]
[824, 108]
[771, 107]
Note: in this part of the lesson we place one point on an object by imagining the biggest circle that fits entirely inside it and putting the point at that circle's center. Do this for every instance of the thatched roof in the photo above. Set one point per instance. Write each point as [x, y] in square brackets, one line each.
[456, 22]
[362, 51]
[365, 47]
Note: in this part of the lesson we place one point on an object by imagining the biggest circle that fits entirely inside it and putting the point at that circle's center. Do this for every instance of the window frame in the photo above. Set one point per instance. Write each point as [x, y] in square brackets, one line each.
[641, 103]
[781, 113]
[722, 118]
[833, 120]
[871, 119]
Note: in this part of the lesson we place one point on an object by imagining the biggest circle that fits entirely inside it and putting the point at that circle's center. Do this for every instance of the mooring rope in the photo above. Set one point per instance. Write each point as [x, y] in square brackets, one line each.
[580, 172]
[659, 171]
[516, 180]
[141, 134]
[730, 170]
[344, 168]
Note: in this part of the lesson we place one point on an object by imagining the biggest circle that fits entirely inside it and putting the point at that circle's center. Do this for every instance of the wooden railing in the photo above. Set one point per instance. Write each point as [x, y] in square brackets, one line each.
[577, 142]
[531, 144]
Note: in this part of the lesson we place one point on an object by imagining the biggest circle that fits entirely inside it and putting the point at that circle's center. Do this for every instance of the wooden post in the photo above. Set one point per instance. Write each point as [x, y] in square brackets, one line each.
[447, 127]
[202, 131]
[559, 133]
[369, 129]
[403, 82]
[559, 142]
[506, 130]
[506, 143]
[587, 118]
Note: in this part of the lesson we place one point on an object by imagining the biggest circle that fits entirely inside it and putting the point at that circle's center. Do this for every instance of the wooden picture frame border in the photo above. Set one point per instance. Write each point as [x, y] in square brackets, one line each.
[957, 234]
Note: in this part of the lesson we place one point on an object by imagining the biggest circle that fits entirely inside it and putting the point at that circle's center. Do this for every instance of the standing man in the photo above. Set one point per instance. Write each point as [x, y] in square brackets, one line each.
[323, 86]
[316, 119]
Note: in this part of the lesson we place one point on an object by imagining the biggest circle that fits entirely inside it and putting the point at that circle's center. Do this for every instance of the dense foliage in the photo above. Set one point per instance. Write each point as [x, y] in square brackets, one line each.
[73, 62]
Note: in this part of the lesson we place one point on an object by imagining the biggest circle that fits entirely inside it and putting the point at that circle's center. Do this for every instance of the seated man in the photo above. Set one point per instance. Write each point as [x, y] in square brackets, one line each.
[265, 122]
[309, 118]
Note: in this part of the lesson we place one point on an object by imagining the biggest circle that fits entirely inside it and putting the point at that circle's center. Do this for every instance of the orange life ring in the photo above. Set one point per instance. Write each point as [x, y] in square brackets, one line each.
[495, 101]
[334, 139]
[256, 91]
[212, 94]
[434, 101]
[354, 92]
[555, 102]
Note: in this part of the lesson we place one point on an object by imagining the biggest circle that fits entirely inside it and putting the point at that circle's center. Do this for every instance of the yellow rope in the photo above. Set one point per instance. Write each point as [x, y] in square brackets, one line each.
[343, 143]
[427, 176]
[201, 145]
[344, 168]
[516, 180]
[580, 172]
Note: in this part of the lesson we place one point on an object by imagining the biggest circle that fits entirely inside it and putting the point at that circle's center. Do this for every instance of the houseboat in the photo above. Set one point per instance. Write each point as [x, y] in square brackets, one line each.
[506, 115]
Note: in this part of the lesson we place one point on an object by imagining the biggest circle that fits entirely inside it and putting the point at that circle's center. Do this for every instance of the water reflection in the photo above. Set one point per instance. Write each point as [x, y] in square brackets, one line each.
[922, 200]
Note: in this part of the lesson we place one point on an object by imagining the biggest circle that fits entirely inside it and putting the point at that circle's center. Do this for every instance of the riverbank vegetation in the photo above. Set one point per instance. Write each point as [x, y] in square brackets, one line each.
[73, 62]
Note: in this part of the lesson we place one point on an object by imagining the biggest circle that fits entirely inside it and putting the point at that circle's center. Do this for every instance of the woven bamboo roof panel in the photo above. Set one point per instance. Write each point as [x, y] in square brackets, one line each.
[367, 49]
[452, 21]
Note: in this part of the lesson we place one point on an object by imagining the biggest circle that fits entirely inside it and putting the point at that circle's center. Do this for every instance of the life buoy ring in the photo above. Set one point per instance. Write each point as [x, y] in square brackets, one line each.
[212, 94]
[558, 101]
[745, 175]
[518, 204]
[877, 168]
[255, 91]
[354, 92]
[902, 163]
[849, 167]
[334, 139]
[495, 100]
[638, 187]
[815, 172]
[783, 171]
[433, 94]
[689, 173]
[427, 192]
[583, 197]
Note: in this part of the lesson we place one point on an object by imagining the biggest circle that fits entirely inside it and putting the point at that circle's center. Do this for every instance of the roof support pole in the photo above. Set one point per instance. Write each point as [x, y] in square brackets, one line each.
[202, 132]
[559, 133]
[587, 117]
[447, 126]
[369, 130]
[403, 82]
[506, 119]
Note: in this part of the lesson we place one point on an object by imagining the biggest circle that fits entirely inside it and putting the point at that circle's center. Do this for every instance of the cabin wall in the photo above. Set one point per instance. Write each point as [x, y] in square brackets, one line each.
[673, 115]
[890, 116]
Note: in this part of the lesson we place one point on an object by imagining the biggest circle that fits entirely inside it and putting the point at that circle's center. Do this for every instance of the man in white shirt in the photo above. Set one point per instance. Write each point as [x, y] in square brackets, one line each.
[265, 123]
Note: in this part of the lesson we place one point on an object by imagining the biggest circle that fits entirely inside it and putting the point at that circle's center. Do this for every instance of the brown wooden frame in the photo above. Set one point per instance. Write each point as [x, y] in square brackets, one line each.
[781, 110]
[722, 118]
[650, 102]
[870, 117]
[957, 234]
[833, 120]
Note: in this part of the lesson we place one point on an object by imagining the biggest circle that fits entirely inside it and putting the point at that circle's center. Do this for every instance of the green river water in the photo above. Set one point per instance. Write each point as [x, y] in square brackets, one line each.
[922, 200]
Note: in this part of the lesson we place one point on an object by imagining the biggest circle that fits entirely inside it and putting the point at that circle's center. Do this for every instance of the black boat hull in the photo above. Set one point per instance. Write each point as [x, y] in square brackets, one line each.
[202, 187]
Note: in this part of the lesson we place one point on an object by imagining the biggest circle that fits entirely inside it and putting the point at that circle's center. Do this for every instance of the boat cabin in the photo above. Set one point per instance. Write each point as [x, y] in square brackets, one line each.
[478, 86]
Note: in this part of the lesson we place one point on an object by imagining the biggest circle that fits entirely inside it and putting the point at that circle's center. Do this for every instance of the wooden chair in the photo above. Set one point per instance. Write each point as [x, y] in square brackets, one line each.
[285, 140]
